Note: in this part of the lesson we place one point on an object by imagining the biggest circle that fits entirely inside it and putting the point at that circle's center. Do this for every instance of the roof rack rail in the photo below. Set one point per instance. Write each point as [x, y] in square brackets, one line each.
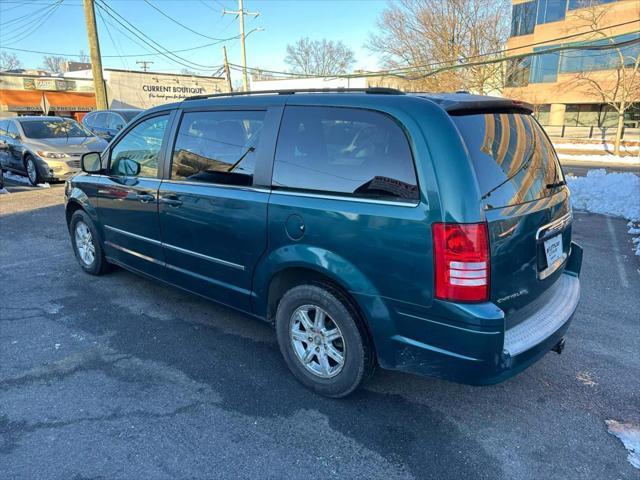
[293, 91]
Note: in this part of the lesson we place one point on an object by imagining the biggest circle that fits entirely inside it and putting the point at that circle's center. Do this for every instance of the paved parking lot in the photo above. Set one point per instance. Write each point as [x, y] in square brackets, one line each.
[119, 377]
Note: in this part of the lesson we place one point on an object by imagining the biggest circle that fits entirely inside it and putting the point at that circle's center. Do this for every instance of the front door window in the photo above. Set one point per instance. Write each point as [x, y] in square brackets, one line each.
[137, 153]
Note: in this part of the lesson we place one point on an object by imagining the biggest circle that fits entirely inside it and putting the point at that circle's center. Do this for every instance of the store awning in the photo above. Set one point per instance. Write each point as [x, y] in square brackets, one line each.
[21, 100]
[69, 101]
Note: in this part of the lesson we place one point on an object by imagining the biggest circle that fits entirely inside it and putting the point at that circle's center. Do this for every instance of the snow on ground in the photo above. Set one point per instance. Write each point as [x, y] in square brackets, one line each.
[595, 146]
[610, 194]
[21, 179]
[608, 158]
[629, 435]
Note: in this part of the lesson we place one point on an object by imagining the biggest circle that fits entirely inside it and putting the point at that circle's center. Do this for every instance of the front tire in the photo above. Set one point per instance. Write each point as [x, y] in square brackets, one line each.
[323, 341]
[31, 167]
[86, 244]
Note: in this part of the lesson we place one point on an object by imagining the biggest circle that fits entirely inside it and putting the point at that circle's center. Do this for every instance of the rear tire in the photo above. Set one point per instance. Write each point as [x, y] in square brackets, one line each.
[323, 341]
[31, 168]
[86, 243]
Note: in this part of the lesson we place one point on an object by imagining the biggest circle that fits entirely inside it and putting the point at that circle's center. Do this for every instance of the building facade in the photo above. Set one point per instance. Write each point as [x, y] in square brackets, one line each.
[574, 87]
[72, 94]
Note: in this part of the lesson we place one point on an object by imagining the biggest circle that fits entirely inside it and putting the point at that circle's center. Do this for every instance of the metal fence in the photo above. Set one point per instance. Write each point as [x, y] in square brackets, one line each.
[594, 133]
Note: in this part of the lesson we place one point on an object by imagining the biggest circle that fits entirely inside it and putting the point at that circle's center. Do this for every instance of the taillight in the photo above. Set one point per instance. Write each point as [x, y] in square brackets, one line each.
[461, 260]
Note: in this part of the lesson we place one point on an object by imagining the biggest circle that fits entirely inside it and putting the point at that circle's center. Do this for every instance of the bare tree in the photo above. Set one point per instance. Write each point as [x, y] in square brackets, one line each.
[9, 61]
[619, 86]
[319, 57]
[424, 36]
[54, 64]
[83, 57]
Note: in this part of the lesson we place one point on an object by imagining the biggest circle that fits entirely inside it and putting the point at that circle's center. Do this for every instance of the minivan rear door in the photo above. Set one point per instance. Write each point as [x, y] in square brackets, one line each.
[525, 201]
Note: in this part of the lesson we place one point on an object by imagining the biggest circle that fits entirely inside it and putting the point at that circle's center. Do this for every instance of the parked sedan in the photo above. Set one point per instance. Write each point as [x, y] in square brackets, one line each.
[45, 148]
[107, 123]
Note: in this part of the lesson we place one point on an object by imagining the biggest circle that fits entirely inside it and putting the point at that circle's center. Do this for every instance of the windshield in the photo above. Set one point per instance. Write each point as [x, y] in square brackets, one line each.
[511, 155]
[54, 129]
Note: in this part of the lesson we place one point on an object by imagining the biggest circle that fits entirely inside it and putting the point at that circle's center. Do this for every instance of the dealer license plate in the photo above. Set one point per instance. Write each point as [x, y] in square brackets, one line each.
[553, 249]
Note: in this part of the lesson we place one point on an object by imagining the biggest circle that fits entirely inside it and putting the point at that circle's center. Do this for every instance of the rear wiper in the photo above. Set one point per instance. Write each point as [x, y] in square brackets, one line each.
[522, 167]
[556, 184]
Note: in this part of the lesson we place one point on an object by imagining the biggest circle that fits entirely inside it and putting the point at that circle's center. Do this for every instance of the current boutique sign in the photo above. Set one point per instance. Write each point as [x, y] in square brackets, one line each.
[172, 92]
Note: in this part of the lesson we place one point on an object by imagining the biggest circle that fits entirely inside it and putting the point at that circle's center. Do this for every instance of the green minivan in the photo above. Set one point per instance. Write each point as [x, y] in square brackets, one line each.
[426, 233]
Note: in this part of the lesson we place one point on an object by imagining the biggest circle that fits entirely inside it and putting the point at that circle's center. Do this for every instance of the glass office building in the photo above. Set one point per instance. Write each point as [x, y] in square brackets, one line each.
[569, 55]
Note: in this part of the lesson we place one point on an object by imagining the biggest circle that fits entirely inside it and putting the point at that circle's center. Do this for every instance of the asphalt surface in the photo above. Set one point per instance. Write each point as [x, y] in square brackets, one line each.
[118, 377]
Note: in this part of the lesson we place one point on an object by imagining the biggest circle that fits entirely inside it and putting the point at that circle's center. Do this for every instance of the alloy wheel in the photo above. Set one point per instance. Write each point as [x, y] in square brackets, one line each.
[317, 341]
[31, 171]
[84, 243]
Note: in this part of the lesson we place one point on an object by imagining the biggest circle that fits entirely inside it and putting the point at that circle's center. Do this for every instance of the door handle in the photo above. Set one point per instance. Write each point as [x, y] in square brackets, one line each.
[171, 200]
[145, 197]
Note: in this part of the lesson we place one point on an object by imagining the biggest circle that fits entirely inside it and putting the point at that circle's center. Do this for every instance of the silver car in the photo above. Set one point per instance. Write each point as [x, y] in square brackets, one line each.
[45, 148]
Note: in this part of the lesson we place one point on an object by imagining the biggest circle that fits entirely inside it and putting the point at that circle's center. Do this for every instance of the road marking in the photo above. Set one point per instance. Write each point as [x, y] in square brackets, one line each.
[616, 252]
[32, 260]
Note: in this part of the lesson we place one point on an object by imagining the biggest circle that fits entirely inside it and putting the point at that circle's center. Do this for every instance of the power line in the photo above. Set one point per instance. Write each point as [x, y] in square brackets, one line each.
[608, 46]
[149, 41]
[182, 24]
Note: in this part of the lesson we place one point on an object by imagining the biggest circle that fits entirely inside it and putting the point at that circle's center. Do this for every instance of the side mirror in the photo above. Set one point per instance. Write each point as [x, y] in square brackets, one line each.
[91, 162]
[126, 167]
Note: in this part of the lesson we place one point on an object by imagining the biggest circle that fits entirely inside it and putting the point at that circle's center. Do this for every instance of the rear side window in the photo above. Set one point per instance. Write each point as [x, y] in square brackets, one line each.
[512, 157]
[344, 151]
[217, 147]
[100, 120]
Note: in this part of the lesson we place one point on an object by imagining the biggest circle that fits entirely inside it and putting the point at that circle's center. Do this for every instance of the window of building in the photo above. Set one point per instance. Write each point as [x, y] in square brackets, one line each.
[582, 60]
[523, 19]
[518, 72]
[544, 68]
[574, 4]
[344, 151]
[632, 116]
[217, 147]
[136, 154]
[551, 11]
[542, 113]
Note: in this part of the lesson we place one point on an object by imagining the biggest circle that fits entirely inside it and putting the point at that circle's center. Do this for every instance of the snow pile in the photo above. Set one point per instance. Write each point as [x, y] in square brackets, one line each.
[21, 179]
[604, 158]
[610, 194]
[595, 146]
[629, 435]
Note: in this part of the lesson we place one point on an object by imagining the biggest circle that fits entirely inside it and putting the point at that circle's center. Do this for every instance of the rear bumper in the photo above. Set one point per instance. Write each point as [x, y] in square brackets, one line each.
[479, 351]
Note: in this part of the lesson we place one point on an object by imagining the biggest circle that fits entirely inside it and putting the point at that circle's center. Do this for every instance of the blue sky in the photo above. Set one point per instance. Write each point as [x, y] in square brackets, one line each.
[283, 21]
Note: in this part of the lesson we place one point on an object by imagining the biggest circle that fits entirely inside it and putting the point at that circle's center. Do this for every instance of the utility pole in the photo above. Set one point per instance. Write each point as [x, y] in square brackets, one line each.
[227, 72]
[96, 60]
[144, 64]
[240, 13]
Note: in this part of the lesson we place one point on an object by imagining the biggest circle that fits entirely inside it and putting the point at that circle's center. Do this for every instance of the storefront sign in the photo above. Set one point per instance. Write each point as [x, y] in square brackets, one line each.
[171, 92]
[52, 84]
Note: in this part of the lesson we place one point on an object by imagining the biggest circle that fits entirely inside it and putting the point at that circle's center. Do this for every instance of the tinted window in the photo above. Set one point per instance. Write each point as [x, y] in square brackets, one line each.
[518, 72]
[511, 152]
[573, 4]
[346, 151]
[523, 19]
[217, 147]
[551, 10]
[544, 68]
[141, 145]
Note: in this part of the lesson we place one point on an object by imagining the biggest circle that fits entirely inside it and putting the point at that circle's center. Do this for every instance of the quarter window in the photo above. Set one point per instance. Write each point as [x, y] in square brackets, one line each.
[345, 151]
[136, 154]
[217, 147]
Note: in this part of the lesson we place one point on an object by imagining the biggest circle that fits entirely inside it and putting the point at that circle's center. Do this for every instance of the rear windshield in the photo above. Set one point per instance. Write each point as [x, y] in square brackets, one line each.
[53, 129]
[513, 158]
